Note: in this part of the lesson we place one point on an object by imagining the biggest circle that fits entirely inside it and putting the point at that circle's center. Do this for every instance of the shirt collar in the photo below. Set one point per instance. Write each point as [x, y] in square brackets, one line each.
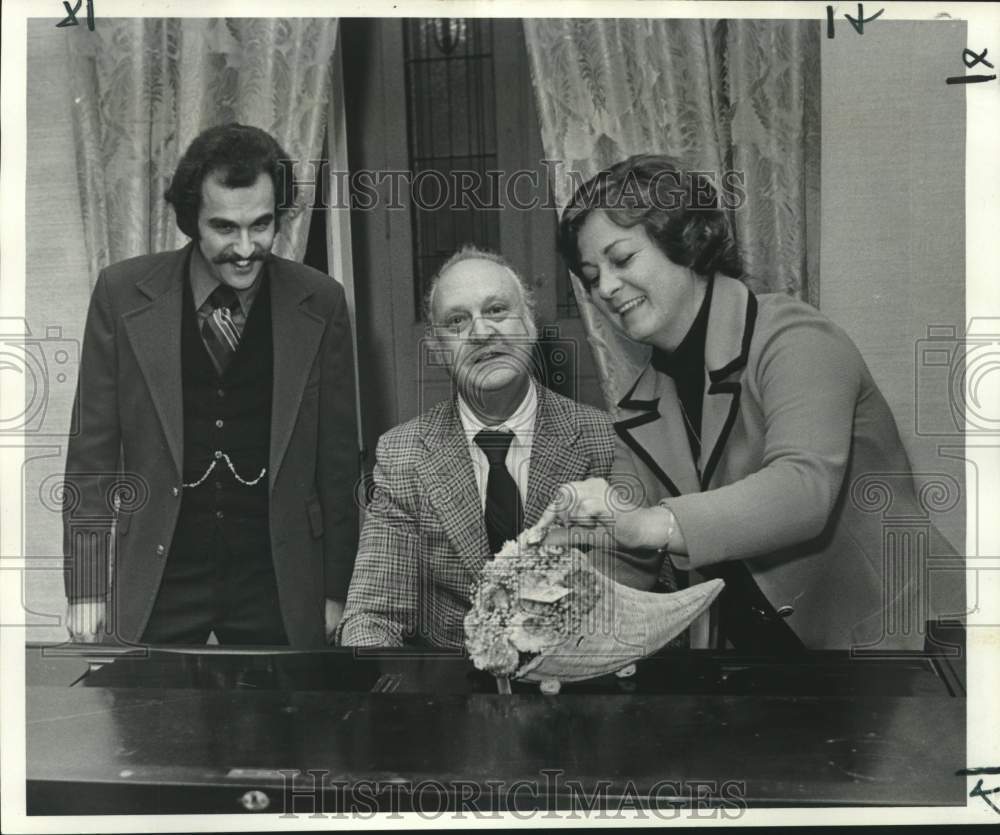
[203, 283]
[521, 422]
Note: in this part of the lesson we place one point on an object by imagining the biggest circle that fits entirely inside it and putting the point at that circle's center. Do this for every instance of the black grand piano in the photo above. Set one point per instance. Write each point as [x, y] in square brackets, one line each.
[212, 730]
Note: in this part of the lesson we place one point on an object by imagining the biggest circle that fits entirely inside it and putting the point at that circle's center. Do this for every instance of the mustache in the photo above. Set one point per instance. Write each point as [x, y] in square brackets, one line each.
[230, 258]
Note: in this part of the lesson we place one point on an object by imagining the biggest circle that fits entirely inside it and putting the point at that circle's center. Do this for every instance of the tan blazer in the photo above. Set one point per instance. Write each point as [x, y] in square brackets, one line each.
[798, 445]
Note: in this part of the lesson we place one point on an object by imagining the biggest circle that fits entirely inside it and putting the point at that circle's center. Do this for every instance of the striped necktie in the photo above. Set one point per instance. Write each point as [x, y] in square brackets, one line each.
[220, 332]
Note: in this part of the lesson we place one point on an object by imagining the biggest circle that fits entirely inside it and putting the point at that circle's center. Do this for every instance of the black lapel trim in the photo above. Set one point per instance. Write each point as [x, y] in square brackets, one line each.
[734, 389]
[622, 428]
[748, 328]
[639, 405]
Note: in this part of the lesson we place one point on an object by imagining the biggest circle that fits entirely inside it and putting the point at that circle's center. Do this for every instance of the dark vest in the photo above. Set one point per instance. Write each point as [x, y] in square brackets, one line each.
[228, 415]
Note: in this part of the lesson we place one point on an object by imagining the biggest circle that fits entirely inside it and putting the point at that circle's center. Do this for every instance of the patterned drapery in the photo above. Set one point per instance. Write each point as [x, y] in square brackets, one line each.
[723, 95]
[144, 88]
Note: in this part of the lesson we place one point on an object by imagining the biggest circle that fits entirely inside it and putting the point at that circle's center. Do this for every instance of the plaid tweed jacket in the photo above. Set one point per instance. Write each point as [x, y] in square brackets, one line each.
[424, 539]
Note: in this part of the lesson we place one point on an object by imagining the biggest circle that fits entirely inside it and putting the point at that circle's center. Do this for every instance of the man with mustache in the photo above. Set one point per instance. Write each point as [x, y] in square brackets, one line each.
[216, 387]
[451, 485]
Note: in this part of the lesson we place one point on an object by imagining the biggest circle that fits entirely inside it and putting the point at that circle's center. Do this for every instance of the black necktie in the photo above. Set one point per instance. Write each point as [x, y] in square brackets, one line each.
[504, 513]
[219, 331]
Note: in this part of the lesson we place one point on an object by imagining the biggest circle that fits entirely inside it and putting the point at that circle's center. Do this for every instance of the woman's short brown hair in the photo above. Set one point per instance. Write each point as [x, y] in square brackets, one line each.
[677, 206]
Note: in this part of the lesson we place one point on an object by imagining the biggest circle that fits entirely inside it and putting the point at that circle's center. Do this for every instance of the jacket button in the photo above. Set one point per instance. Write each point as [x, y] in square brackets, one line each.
[218, 453]
[175, 491]
[160, 550]
[219, 424]
[219, 514]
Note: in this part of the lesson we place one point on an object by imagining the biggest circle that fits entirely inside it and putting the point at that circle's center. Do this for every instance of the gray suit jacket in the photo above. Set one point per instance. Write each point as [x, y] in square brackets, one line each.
[130, 436]
[424, 539]
[800, 462]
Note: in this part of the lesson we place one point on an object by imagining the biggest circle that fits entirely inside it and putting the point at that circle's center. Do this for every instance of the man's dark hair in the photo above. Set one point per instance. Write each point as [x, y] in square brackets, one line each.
[240, 154]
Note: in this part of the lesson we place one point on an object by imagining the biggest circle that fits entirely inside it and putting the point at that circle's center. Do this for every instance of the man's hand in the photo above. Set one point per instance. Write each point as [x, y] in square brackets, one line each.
[84, 620]
[333, 612]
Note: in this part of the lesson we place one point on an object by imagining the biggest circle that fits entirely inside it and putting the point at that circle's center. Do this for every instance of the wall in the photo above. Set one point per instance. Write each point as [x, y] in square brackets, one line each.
[56, 295]
[892, 259]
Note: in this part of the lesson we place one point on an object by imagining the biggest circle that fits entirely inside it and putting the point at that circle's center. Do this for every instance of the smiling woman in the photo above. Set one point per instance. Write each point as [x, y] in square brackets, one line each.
[654, 299]
[748, 430]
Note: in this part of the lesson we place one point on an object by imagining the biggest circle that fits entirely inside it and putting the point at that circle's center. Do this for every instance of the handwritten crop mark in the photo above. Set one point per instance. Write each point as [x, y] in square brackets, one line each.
[972, 59]
[857, 22]
[70, 19]
[978, 790]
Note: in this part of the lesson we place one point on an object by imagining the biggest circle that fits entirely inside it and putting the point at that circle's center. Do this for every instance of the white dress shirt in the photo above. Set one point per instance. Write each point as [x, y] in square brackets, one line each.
[522, 424]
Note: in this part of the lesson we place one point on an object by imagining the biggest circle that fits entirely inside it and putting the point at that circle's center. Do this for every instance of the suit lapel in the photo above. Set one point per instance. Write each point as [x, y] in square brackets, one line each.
[154, 332]
[448, 483]
[727, 345]
[296, 335]
[554, 456]
[652, 425]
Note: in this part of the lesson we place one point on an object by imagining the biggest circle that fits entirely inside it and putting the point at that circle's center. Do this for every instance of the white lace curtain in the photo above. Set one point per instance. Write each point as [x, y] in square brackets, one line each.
[723, 95]
[143, 88]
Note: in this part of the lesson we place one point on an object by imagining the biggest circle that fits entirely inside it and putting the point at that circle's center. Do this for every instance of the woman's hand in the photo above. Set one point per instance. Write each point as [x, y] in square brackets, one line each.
[596, 504]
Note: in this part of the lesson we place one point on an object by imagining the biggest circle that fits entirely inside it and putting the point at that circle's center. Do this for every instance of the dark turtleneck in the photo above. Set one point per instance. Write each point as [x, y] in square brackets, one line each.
[686, 366]
[748, 620]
